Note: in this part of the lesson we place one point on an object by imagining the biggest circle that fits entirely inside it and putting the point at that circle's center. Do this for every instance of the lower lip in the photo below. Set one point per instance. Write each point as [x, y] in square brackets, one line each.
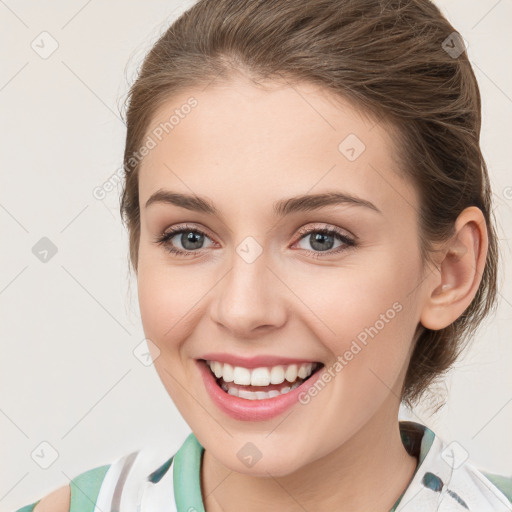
[252, 410]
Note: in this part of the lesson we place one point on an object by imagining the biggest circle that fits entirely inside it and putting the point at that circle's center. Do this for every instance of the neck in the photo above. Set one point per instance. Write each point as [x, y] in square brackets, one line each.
[368, 472]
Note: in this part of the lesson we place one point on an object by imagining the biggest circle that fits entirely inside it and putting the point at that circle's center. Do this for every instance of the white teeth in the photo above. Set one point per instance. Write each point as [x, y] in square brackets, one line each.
[277, 375]
[242, 376]
[217, 369]
[305, 370]
[261, 376]
[291, 373]
[249, 395]
[227, 372]
[257, 395]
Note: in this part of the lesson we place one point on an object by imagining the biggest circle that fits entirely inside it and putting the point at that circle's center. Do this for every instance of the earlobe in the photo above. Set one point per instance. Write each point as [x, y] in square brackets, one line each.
[451, 290]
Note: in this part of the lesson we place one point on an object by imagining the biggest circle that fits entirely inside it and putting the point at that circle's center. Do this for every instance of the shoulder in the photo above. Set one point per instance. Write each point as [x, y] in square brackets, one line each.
[132, 474]
[57, 501]
[77, 496]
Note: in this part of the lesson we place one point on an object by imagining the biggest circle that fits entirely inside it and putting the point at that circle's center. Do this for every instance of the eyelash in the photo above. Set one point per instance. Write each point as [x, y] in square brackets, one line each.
[165, 237]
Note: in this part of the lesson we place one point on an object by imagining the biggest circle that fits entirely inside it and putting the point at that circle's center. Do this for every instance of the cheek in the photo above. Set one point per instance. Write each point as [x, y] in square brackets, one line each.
[347, 300]
[366, 314]
[166, 301]
[167, 314]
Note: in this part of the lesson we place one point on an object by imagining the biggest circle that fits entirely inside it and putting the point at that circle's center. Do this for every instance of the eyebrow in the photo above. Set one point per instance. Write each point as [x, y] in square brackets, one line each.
[303, 203]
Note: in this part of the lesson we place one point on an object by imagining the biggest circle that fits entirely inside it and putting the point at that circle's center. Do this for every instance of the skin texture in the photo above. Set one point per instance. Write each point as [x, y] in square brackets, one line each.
[58, 501]
[244, 148]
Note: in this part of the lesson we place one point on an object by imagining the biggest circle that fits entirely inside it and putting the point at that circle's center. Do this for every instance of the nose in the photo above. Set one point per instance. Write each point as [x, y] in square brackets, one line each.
[250, 299]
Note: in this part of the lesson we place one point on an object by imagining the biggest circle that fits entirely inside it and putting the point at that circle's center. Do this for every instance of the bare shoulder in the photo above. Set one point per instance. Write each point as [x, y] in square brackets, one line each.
[57, 501]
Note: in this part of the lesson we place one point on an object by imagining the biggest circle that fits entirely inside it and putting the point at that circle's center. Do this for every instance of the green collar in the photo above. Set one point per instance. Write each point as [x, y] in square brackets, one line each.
[187, 476]
[416, 438]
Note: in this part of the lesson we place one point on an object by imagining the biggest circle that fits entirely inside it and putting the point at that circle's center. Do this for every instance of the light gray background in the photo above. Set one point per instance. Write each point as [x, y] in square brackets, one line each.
[69, 326]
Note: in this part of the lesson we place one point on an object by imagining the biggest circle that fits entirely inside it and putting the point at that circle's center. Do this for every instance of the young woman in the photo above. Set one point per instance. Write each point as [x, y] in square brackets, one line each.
[311, 226]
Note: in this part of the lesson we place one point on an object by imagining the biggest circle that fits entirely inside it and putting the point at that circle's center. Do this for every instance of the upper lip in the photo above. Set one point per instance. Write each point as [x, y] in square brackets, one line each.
[254, 361]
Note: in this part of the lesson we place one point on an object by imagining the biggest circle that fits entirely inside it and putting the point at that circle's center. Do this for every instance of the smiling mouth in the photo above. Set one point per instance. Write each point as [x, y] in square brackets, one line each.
[263, 382]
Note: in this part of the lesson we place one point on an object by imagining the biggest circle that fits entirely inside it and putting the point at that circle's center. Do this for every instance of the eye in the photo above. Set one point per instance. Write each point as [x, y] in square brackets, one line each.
[322, 240]
[190, 238]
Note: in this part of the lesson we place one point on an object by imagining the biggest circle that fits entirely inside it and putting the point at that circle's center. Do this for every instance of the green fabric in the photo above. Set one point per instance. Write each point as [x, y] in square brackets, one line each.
[503, 483]
[28, 508]
[187, 474]
[85, 489]
[187, 471]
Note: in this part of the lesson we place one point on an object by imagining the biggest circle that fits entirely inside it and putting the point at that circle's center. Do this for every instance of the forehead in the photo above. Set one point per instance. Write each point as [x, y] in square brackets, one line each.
[234, 138]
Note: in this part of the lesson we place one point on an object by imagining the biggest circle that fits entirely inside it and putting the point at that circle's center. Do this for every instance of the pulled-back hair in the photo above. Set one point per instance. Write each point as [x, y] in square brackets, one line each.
[398, 60]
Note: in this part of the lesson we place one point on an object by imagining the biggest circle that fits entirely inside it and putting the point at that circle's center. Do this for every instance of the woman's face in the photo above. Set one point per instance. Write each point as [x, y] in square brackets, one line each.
[261, 285]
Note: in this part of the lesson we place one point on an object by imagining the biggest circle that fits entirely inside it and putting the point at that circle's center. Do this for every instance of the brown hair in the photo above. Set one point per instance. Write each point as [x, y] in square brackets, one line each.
[399, 60]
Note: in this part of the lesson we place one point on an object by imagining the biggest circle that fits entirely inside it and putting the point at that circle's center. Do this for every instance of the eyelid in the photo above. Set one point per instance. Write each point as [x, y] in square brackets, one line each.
[348, 241]
[187, 226]
[304, 230]
[163, 238]
[323, 226]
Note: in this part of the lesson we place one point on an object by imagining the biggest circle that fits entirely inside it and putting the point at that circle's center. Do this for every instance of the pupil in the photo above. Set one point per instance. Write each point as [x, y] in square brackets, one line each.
[195, 238]
[317, 240]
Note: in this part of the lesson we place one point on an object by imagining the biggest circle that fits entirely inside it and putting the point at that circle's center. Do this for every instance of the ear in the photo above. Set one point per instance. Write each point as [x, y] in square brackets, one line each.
[451, 290]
